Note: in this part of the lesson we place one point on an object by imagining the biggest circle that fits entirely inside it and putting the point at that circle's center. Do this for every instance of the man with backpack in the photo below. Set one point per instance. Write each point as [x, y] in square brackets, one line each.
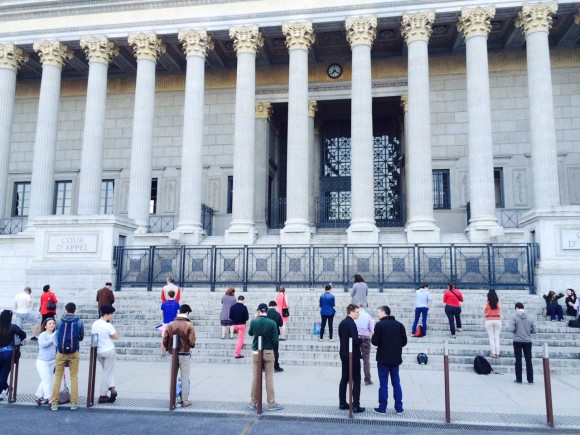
[70, 331]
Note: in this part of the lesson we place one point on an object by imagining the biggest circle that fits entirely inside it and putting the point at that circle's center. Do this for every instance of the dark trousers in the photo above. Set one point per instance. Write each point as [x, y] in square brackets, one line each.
[323, 325]
[276, 355]
[454, 316]
[527, 349]
[384, 372]
[344, 382]
[420, 311]
[555, 312]
[5, 360]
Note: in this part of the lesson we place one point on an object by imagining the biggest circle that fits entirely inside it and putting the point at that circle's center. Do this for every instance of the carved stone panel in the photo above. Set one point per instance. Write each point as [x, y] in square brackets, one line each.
[573, 181]
[214, 193]
[520, 187]
[123, 196]
[462, 187]
[169, 195]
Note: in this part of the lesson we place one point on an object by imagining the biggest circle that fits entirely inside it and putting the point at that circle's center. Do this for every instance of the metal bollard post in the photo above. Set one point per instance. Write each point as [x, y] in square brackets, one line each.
[548, 387]
[14, 362]
[260, 367]
[350, 377]
[92, 370]
[446, 371]
[173, 374]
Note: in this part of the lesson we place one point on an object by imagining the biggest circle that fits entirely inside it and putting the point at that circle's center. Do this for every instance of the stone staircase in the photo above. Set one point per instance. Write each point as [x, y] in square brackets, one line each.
[138, 314]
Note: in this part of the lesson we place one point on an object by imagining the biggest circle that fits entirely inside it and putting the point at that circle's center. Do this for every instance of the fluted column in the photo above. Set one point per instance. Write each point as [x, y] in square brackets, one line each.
[11, 57]
[99, 51]
[535, 20]
[52, 56]
[263, 114]
[421, 228]
[196, 44]
[360, 33]
[313, 162]
[299, 38]
[147, 47]
[405, 147]
[247, 41]
[475, 25]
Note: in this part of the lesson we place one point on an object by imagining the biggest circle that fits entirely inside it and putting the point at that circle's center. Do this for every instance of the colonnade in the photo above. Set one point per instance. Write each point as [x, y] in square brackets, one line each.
[474, 24]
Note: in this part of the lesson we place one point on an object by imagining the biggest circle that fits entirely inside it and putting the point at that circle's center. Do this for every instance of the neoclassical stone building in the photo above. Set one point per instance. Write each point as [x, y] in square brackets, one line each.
[287, 123]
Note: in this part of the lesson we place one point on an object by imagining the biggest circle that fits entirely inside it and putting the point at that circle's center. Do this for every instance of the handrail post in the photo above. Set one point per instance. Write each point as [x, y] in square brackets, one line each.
[174, 367]
[260, 365]
[548, 387]
[446, 371]
[350, 377]
[92, 370]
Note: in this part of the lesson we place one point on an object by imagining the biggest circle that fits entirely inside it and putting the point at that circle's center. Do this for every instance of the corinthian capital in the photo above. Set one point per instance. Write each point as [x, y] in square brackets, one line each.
[361, 31]
[52, 52]
[99, 49]
[264, 110]
[195, 42]
[312, 108]
[536, 17]
[417, 27]
[12, 56]
[247, 39]
[475, 22]
[405, 102]
[147, 45]
[298, 35]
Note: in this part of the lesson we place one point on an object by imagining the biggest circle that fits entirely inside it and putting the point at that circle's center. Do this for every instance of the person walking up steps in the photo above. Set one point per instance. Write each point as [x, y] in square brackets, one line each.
[493, 322]
[452, 299]
[239, 316]
[327, 311]
[284, 310]
[23, 306]
[423, 299]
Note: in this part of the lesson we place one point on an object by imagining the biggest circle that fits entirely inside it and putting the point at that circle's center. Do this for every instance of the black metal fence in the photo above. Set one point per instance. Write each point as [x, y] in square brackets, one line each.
[489, 266]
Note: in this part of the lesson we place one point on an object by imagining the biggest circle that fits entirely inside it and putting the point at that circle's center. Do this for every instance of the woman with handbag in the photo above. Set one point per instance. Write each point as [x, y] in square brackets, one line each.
[46, 361]
[48, 303]
[8, 331]
[283, 310]
[452, 299]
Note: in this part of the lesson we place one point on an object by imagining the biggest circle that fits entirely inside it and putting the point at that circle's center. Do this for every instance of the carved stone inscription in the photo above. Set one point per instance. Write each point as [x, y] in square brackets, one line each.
[72, 243]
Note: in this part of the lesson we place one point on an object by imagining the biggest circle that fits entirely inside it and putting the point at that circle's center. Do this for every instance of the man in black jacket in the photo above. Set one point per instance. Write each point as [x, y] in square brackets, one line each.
[390, 337]
[276, 317]
[346, 330]
[239, 316]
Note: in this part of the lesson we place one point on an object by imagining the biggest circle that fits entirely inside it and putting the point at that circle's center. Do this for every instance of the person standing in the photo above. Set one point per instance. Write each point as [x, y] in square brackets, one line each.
[46, 300]
[523, 326]
[169, 310]
[23, 306]
[105, 296]
[227, 301]
[106, 352]
[276, 317]
[168, 287]
[360, 291]
[266, 328]
[327, 311]
[423, 299]
[70, 330]
[184, 329]
[365, 326]
[452, 299]
[283, 310]
[390, 338]
[7, 333]
[239, 316]
[45, 361]
[347, 330]
[493, 322]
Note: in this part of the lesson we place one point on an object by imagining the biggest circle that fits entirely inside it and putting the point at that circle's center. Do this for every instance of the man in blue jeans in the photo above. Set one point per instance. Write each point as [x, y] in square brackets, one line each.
[390, 337]
[422, 304]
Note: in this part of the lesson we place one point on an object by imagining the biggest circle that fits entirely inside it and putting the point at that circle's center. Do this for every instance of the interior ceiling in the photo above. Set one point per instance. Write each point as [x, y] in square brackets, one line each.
[330, 46]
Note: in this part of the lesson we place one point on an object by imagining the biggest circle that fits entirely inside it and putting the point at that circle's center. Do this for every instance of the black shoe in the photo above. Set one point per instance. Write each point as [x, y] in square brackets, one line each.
[278, 369]
[343, 407]
[368, 382]
[34, 338]
[358, 409]
[103, 399]
[530, 382]
[113, 395]
[517, 382]
[378, 411]
[239, 356]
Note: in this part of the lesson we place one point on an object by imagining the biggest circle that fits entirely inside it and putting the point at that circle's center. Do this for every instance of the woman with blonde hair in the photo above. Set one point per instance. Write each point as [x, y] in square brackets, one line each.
[45, 361]
[227, 301]
[283, 310]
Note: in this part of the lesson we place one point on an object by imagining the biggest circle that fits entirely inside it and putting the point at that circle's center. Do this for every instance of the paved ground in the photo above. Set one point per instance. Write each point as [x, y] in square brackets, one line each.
[311, 393]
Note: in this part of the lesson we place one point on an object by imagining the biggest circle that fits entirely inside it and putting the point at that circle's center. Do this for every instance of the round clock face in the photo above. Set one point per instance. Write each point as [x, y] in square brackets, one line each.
[334, 71]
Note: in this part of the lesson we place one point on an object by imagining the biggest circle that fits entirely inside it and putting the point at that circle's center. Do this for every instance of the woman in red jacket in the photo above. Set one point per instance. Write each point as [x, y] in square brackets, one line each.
[452, 299]
[45, 310]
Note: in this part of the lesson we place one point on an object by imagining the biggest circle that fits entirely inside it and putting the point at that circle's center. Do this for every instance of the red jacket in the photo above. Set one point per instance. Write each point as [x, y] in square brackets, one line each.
[451, 299]
[44, 299]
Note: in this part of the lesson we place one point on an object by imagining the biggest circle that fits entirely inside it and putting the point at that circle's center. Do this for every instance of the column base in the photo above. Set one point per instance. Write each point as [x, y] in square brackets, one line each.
[422, 231]
[484, 230]
[188, 235]
[362, 233]
[240, 234]
[296, 234]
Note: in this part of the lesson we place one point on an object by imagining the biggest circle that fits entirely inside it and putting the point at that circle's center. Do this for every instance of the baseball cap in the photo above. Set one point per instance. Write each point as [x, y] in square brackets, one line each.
[263, 308]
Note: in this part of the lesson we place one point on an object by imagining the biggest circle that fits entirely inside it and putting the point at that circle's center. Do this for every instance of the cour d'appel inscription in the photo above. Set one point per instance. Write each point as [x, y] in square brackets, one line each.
[72, 243]
[570, 239]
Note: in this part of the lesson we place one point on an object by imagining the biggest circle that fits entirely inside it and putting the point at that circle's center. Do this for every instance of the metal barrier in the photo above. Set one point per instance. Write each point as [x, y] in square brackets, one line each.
[489, 266]
[12, 225]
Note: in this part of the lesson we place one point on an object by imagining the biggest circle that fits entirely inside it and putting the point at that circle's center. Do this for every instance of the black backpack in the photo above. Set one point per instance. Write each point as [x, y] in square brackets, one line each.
[422, 358]
[481, 366]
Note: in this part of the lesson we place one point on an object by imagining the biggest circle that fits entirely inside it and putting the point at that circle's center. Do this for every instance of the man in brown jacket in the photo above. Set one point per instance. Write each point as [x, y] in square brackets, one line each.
[105, 296]
[186, 332]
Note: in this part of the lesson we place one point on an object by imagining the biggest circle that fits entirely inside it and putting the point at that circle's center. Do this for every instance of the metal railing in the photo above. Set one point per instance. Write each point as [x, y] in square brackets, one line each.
[12, 225]
[487, 266]
[207, 219]
[510, 218]
[161, 224]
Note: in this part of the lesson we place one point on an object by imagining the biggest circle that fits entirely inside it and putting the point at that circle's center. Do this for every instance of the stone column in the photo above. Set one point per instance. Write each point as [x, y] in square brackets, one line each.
[535, 20]
[11, 57]
[196, 44]
[475, 25]
[360, 33]
[52, 56]
[263, 113]
[313, 163]
[405, 150]
[99, 51]
[247, 41]
[299, 38]
[420, 228]
[147, 48]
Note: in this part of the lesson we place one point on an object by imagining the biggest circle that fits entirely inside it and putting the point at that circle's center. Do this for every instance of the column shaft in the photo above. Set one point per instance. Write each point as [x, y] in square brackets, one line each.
[7, 93]
[263, 111]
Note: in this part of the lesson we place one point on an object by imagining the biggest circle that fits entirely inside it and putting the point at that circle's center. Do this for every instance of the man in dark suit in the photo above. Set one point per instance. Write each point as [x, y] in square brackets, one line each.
[347, 330]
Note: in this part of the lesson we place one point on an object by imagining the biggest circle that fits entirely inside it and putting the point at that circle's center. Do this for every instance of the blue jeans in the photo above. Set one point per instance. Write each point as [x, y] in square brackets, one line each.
[5, 360]
[420, 311]
[384, 371]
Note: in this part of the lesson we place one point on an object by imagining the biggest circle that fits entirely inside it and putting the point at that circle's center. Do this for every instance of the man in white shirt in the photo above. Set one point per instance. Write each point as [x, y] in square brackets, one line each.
[365, 326]
[23, 304]
[106, 352]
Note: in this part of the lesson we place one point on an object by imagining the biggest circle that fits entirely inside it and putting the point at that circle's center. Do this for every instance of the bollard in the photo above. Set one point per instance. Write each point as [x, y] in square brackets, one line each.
[14, 362]
[260, 366]
[446, 371]
[548, 387]
[350, 377]
[92, 371]
[174, 367]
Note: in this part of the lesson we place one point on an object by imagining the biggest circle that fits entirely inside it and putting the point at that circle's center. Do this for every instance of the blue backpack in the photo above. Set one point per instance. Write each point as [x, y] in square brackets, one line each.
[68, 336]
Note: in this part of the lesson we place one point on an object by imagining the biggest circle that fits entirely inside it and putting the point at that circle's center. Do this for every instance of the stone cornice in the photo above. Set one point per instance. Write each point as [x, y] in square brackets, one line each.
[299, 36]
[264, 110]
[52, 52]
[12, 56]
[147, 45]
[417, 27]
[475, 22]
[247, 39]
[195, 42]
[312, 108]
[361, 30]
[536, 17]
[99, 49]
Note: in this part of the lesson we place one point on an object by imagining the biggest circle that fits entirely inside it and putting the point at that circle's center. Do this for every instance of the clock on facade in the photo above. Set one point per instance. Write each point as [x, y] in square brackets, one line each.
[334, 71]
